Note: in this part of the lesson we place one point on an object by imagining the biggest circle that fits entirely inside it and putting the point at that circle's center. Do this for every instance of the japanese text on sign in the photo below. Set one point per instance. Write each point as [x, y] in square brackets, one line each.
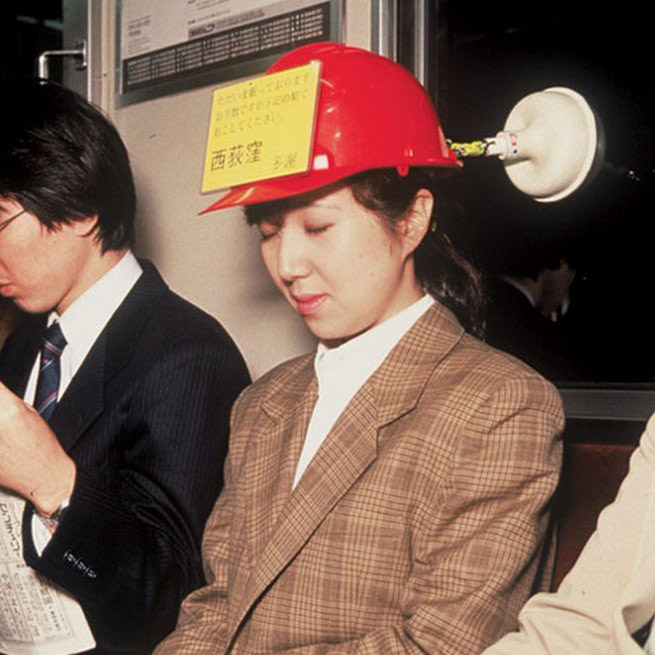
[261, 128]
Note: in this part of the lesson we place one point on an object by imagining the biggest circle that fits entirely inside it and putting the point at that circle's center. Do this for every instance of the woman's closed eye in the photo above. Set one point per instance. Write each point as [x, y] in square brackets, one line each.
[267, 231]
[317, 229]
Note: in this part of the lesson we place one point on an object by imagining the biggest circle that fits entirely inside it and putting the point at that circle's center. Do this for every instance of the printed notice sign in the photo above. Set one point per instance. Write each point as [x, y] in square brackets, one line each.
[167, 46]
[261, 128]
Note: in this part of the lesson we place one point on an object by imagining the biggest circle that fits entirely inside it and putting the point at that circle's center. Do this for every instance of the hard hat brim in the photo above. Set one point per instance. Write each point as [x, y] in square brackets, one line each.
[293, 185]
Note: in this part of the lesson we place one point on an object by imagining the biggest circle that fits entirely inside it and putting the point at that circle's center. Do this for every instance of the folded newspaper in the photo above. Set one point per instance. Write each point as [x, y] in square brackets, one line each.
[36, 616]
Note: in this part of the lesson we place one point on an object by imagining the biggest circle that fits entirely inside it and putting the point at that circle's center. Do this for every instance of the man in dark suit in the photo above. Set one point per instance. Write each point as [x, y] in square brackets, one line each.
[116, 393]
[520, 309]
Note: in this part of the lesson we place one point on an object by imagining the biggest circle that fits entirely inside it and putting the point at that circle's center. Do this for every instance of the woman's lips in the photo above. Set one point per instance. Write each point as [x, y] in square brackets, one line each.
[308, 304]
[5, 289]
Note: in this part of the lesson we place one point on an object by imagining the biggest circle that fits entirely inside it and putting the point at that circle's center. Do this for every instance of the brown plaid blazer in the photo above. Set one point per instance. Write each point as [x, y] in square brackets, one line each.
[419, 526]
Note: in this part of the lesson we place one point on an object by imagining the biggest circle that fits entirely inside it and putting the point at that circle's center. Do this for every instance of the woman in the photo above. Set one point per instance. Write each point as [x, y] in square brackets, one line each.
[388, 493]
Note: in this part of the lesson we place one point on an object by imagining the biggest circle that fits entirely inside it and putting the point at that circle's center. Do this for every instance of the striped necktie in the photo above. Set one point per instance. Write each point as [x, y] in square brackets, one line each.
[47, 386]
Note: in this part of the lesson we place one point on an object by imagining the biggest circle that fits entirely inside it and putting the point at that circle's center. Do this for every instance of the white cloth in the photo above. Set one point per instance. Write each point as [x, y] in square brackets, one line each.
[341, 371]
[513, 282]
[85, 318]
[81, 324]
[609, 594]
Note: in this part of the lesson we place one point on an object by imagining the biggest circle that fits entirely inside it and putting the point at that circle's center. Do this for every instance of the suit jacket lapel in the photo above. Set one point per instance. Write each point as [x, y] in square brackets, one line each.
[342, 458]
[350, 448]
[288, 410]
[83, 400]
[398, 383]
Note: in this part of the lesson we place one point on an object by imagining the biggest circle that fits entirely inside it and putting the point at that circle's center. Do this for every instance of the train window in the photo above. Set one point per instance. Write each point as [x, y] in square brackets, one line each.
[568, 282]
[27, 28]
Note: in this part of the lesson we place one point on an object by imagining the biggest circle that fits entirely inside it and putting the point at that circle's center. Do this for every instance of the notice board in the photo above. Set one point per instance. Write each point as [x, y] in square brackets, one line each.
[167, 46]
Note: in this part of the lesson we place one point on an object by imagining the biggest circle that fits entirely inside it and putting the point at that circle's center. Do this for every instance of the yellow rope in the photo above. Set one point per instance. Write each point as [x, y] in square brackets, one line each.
[472, 149]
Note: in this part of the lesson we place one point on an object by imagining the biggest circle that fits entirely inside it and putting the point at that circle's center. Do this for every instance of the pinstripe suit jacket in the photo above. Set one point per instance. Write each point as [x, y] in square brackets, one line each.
[418, 527]
[145, 419]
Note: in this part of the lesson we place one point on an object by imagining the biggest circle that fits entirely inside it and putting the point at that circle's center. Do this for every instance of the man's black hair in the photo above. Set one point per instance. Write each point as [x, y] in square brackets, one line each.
[64, 161]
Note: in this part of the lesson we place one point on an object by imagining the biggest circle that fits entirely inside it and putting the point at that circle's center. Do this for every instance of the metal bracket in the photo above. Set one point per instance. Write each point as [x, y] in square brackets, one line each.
[421, 41]
[384, 28]
[79, 53]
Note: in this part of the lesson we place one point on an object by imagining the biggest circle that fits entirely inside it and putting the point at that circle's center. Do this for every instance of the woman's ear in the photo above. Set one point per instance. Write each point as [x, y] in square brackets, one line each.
[416, 222]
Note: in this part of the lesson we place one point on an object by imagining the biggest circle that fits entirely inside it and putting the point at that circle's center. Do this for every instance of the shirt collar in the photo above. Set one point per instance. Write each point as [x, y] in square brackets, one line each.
[519, 287]
[85, 318]
[353, 362]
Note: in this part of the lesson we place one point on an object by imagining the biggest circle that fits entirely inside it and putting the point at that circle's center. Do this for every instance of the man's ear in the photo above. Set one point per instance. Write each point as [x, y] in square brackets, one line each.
[86, 226]
[416, 222]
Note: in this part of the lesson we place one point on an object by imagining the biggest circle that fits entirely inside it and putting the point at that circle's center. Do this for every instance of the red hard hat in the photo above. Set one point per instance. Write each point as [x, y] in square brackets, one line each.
[372, 113]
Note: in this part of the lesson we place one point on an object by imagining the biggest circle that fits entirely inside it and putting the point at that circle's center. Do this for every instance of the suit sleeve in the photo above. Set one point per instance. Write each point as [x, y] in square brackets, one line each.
[127, 547]
[589, 612]
[475, 552]
[203, 616]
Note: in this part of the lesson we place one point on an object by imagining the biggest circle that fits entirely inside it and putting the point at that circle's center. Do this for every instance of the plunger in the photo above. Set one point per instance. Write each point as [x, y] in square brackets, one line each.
[551, 144]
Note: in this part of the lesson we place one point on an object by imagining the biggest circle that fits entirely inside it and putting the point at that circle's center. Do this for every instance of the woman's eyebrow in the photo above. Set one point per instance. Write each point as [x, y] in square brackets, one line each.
[321, 205]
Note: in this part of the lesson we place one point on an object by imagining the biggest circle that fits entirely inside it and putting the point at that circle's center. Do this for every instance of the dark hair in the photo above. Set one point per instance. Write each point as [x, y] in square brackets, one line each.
[64, 161]
[440, 268]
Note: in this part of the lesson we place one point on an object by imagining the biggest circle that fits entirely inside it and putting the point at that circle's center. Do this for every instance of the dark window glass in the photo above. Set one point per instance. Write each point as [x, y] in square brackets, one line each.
[27, 28]
[484, 57]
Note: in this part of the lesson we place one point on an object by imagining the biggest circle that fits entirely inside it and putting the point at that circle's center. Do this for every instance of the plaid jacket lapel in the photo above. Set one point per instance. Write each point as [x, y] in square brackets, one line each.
[350, 448]
[345, 454]
[274, 450]
[398, 383]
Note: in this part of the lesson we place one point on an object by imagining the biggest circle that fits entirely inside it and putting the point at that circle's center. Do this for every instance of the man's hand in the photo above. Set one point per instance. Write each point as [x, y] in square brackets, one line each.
[32, 462]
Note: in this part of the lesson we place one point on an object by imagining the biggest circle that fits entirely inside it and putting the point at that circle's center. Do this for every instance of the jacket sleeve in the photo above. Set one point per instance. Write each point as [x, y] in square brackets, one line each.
[127, 548]
[475, 552]
[203, 617]
[589, 613]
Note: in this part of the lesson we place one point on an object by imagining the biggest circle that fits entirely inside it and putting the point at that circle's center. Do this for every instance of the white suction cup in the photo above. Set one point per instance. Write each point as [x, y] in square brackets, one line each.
[549, 143]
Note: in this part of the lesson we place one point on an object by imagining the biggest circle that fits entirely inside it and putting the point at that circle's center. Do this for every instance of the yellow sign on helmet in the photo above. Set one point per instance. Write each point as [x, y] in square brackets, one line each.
[261, 128]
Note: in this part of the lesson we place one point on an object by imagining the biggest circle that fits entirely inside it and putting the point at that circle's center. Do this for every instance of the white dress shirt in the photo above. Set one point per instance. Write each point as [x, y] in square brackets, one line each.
[85, 319]
[81, 324]
[513, 282]
[341, 372]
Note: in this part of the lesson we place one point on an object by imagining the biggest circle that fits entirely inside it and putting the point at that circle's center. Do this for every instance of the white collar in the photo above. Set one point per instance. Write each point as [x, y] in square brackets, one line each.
[87, 316]
[342, 371]
[513, 282]
[355, 360]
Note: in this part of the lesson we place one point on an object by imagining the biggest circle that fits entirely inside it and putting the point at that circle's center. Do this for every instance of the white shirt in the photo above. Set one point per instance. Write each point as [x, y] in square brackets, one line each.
[341, 372]
[519, 287]
[81, 324]
[85, 319]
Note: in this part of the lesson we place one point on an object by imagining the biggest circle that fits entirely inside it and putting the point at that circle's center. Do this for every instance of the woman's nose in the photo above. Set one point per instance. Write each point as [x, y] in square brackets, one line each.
[292, 261]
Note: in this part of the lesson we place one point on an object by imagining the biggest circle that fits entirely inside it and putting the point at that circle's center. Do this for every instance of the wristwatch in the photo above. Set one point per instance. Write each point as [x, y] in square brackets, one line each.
[51, 522]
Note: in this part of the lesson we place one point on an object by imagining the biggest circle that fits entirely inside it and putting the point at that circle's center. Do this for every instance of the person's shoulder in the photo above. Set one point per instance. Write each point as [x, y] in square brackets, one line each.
[290, 377]
[494, 360]
[183, 320]
[160, 326]
[484, 370]
[647, 441]
[285, 374]
[167, 317]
